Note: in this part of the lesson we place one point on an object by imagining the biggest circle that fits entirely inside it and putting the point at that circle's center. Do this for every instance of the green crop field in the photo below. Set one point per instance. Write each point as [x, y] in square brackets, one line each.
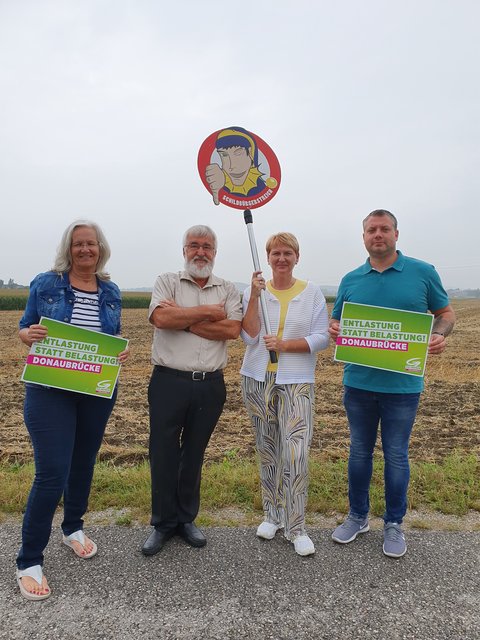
[15, 299]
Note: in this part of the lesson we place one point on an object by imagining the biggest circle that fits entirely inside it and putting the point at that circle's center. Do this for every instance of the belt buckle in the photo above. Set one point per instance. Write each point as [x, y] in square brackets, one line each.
[200, 374]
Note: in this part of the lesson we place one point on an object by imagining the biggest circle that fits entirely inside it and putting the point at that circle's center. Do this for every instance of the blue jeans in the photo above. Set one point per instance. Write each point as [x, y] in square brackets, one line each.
[395, 412]
[66, 430]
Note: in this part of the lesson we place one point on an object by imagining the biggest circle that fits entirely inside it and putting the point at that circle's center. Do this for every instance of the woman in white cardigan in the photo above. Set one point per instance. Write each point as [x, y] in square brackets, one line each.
[279, 397]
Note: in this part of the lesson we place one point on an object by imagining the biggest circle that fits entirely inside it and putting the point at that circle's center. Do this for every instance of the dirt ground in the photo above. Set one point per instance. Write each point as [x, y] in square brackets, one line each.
[448, 418]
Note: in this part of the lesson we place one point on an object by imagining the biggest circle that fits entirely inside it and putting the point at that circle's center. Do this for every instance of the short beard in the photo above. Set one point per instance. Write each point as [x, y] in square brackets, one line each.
[196, 271]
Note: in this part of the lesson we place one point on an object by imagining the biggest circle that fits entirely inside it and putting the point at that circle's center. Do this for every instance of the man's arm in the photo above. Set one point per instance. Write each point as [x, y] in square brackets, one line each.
[227, 328]
[443, 323]
[217, 330]
[206, 321]
[168, 315]
[165, 313]
[334, 324]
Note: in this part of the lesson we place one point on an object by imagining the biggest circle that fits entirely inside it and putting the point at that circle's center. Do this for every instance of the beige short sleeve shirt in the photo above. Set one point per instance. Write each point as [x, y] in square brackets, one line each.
[183, 350]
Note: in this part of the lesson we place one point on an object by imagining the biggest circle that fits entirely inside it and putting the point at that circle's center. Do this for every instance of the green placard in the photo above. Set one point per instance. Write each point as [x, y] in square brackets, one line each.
[389, 339]
[75, 359]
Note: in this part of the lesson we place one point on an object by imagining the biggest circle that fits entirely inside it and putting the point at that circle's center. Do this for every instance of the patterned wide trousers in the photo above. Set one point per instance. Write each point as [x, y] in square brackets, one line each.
[282, 418]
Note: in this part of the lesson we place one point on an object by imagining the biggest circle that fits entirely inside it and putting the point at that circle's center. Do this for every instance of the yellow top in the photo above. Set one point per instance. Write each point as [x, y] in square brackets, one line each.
[284, 296]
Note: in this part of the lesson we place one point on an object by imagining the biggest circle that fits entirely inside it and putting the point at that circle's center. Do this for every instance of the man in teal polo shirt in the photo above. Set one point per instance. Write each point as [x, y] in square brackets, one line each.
[373, 396]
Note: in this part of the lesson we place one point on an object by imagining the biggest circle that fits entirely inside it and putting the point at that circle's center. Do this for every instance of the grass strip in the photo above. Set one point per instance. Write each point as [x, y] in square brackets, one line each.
[450, 487]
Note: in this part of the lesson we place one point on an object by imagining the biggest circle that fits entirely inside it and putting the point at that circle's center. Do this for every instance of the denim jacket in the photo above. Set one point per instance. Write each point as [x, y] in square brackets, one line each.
[51, 295]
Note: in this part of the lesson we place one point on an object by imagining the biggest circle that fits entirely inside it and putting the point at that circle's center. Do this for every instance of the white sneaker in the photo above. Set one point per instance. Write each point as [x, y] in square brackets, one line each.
[267, 530]
[303, 545]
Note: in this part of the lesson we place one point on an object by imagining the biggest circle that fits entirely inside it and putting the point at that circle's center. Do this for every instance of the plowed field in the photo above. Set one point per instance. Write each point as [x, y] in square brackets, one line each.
[448, 417]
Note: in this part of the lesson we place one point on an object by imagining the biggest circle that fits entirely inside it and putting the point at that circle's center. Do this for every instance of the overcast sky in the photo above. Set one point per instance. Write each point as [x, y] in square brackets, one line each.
[368, 104]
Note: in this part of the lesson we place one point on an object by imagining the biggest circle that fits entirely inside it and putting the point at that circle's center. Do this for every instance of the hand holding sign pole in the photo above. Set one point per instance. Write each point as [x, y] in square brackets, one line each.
[241, 171]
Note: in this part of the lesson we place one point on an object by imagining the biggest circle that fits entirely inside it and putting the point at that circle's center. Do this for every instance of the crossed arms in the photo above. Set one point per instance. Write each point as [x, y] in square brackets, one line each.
[206, 321]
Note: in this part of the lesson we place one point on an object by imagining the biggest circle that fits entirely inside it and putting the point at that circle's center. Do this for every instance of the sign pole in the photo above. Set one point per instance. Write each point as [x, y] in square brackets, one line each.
[247, 215]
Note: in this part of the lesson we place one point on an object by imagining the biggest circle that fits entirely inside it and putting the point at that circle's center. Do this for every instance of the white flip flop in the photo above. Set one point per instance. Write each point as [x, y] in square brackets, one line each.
[79, 536]
[36, 573]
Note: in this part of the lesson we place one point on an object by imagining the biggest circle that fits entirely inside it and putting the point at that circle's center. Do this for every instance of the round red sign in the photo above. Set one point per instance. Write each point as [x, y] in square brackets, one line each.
[238, 168]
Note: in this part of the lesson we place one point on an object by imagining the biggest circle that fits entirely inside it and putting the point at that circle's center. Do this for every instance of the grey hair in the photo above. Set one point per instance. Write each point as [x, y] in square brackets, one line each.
[63, 259]
[381, 212]
[201, 231]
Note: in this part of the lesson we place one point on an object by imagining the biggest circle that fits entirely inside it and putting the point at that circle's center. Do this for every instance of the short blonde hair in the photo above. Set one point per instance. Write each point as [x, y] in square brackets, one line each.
[283, 237]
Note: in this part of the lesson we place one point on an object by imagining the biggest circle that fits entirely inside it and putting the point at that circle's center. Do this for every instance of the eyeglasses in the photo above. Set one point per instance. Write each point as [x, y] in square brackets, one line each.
[194, 246]
[90, 244]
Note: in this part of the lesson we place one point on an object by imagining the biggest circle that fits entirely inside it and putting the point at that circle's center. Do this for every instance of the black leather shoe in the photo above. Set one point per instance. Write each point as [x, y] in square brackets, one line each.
[191, 534]
[155, 541]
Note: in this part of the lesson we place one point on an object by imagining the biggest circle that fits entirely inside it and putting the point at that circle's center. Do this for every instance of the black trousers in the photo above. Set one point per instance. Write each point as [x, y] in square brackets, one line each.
[183, 415]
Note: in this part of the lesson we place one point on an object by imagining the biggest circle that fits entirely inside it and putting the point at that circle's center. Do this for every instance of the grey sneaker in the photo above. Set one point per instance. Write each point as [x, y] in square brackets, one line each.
[349, 530]
[394, 545]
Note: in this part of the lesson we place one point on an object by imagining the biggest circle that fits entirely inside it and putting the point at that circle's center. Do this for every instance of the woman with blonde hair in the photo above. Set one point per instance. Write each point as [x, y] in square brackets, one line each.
[279, 397]
[66, 428]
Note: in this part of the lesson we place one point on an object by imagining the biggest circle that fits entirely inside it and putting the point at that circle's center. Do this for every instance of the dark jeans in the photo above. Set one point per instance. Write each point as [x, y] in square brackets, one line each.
[183, 415]
[66, 430]
[396, 414]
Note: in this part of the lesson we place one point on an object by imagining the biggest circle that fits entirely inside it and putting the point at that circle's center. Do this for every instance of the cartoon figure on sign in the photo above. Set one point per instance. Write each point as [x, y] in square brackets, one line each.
[234, 162]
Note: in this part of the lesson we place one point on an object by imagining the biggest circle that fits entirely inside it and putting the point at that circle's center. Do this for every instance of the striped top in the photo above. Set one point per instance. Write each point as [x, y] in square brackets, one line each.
[307, 318]
[86, 310]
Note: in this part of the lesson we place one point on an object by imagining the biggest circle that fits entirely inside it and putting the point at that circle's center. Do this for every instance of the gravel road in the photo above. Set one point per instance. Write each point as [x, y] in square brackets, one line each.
[240, 587]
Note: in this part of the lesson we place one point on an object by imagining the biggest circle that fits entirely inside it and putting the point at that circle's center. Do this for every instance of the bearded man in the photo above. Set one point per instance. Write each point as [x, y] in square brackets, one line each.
[194, 314]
